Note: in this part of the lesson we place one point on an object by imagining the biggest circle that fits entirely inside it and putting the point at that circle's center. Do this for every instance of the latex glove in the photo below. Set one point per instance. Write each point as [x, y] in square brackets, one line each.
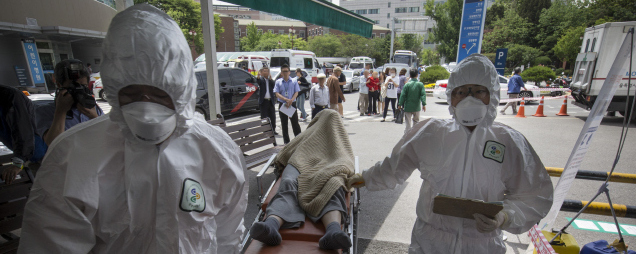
[485, 224]
[356, 181]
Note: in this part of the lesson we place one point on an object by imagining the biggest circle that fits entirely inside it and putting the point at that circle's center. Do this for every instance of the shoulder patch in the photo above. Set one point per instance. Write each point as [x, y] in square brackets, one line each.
[192, 198]
[494, 150]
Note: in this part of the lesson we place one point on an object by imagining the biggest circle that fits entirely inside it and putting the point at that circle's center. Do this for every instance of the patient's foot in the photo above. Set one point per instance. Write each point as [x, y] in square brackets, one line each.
[334, 238]
[267, 231]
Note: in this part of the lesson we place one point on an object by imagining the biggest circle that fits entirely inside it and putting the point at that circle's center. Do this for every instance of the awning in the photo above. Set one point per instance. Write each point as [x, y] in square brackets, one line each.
[317, 12]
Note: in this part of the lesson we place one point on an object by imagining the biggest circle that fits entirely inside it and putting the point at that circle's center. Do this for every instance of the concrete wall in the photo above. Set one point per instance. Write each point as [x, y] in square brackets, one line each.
[11, 54]
[82, 14]
[88, 54]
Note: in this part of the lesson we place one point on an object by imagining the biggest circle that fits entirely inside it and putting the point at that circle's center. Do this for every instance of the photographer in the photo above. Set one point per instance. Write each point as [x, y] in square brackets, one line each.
[74, 103]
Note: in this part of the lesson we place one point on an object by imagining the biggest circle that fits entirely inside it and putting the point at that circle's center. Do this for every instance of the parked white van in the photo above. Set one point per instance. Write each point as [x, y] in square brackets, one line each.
[296, 59]
[358, 62]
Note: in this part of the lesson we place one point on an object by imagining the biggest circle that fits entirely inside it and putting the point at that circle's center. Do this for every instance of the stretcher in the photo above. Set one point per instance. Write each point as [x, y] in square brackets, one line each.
[305, 238]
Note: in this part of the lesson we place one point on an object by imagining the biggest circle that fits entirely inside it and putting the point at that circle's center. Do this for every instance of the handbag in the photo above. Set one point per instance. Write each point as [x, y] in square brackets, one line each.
[399, 116]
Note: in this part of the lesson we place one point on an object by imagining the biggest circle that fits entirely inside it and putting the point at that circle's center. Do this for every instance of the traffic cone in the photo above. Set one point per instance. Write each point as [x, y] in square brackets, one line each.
[564, 108]
[522, 110]
[540, 109]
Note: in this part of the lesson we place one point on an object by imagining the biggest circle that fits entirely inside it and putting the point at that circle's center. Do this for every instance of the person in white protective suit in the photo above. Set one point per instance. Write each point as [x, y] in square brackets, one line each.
[469, 156]
[148, 177]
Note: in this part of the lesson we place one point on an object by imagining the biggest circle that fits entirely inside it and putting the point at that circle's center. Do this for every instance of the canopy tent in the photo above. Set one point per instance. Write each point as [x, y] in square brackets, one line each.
[317, 12]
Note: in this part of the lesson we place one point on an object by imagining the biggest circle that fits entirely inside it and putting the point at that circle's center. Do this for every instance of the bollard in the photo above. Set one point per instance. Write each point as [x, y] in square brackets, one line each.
[598, 208]
[596, 175]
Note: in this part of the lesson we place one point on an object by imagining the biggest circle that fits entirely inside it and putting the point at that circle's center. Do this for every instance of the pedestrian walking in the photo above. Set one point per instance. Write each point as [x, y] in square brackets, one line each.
[319, 96]
[305, 86]
[286, 90]
[412, 95]
[514, 88]
[342, 81]
[391, 88]
[364, 94]
[335, 93]
[266, 103]
[381, 92]
[403, 80]
[373, 83]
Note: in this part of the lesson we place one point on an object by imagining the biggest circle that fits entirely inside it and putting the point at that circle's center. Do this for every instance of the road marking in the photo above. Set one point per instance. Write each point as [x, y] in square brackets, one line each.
[603, 227]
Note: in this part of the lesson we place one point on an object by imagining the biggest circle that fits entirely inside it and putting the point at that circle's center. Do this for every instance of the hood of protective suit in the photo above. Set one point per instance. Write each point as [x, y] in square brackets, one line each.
[145, 46]
[476, 69]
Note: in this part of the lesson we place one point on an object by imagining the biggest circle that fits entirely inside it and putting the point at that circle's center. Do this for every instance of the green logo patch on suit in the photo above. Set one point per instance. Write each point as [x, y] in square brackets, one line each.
[495, 151]
[192, 198]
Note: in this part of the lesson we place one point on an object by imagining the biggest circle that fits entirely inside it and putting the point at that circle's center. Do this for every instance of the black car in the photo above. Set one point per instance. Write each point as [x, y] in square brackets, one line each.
[238, 92]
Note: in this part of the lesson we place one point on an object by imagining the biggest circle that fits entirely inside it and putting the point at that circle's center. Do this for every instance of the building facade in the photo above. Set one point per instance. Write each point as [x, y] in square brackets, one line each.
[37, 34]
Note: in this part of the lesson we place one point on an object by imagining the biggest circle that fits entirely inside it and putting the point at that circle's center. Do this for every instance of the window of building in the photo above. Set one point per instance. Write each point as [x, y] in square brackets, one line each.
[382, 35]
[360, 12]
[387, 25]
[270, 30]
[374, 11]
[377, 22]
[397, 21]
[587, 45]
[414, 9]
[372, 35]
[430, 30]
[593, 44]
[388, 15]
[400, 10]
[281, 31]
[389, 5]
[302, 34]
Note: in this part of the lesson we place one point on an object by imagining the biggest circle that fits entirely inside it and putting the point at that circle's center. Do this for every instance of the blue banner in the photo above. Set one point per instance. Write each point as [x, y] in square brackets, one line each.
[472, 29]
[500, 60]
[33, 59]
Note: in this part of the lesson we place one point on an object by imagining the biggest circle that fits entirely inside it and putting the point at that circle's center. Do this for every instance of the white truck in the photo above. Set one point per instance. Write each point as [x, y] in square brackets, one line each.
[406, 57]
[600, 46]
[359, 62]
[296, 59]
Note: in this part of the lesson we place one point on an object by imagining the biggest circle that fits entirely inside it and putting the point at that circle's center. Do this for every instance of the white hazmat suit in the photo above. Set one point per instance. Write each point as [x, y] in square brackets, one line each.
[492, 163]
[100, 190]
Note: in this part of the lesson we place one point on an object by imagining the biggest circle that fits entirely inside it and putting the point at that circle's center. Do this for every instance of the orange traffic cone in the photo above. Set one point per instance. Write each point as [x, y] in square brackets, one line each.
[564, 108]
[540, 109]
[522, 110]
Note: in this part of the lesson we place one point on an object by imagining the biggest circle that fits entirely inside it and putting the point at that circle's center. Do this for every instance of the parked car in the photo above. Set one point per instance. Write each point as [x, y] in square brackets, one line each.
[94, 77]
[440, 90]
[353, 82]
[98, 90]
[238, 92]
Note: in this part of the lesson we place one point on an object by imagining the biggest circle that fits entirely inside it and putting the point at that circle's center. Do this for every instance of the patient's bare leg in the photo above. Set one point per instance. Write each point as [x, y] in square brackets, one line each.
[334, 238]
[267, 231]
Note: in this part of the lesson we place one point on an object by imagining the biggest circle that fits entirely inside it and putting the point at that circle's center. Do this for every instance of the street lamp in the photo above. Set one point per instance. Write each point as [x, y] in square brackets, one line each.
[292, 31]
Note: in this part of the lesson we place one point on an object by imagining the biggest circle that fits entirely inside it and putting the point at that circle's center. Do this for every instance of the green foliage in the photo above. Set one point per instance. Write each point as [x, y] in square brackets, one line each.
[271, 41]
[562, 16]
[491, 56]
[249, 42]
[495, 12]
[381, 49]
[433, 74]
[613, 10]
[187, 14]
[447, 15]
[512, 28]
[411, 42]
[352, 45]
[538, 74]
[531, 9]
[521, 55]
[325, 45]
[429, 57]
[569, 45]
[544, 60]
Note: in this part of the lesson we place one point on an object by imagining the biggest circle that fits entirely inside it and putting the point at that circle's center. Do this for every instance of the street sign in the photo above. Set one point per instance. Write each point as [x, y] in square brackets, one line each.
[472, 29]
[500, 60]
[33, 60]
[23, 79]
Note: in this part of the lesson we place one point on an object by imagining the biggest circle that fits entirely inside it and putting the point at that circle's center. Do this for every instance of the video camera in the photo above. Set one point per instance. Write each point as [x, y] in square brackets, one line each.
[72, 71]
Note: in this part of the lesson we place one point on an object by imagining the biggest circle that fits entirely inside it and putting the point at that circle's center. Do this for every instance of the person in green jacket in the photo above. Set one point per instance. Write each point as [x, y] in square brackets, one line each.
[412, 93]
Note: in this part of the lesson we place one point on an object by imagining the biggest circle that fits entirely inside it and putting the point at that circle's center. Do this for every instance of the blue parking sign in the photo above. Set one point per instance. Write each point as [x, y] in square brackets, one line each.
[500, 60]
[33, 60]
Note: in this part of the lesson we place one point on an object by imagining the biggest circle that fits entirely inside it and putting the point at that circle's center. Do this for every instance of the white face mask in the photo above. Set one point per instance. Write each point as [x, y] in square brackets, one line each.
[393, 75]
[470, 111]
[150, 122]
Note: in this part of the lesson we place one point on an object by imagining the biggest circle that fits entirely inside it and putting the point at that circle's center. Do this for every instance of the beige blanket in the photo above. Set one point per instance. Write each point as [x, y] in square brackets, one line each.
[323, 155]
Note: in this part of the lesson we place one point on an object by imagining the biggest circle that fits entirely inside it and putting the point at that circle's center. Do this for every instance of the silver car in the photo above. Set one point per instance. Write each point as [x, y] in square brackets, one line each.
[353, 82]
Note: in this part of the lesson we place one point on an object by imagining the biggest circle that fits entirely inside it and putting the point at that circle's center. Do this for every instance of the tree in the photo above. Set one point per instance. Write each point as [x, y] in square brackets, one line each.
[271, 41]
[447, 15]
[429, 57]
[531, 9]
[249, 42]
[324, 45]
[352, 45]
[433, 74]
[411, 42]
[495, 12]
[614, 10]
[562, 16]
[538, 74]
[569, 45]
[187, 14]
[521, 55]
[510, 29]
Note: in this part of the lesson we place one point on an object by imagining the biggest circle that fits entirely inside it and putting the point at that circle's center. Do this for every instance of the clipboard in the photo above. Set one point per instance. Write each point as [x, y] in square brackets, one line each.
[464, 207]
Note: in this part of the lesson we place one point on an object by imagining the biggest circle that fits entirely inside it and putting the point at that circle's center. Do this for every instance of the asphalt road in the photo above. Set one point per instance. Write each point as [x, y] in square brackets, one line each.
[387, 217]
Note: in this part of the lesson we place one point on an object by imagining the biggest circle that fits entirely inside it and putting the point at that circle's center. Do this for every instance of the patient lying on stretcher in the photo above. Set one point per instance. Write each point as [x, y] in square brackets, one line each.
[316, 166]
